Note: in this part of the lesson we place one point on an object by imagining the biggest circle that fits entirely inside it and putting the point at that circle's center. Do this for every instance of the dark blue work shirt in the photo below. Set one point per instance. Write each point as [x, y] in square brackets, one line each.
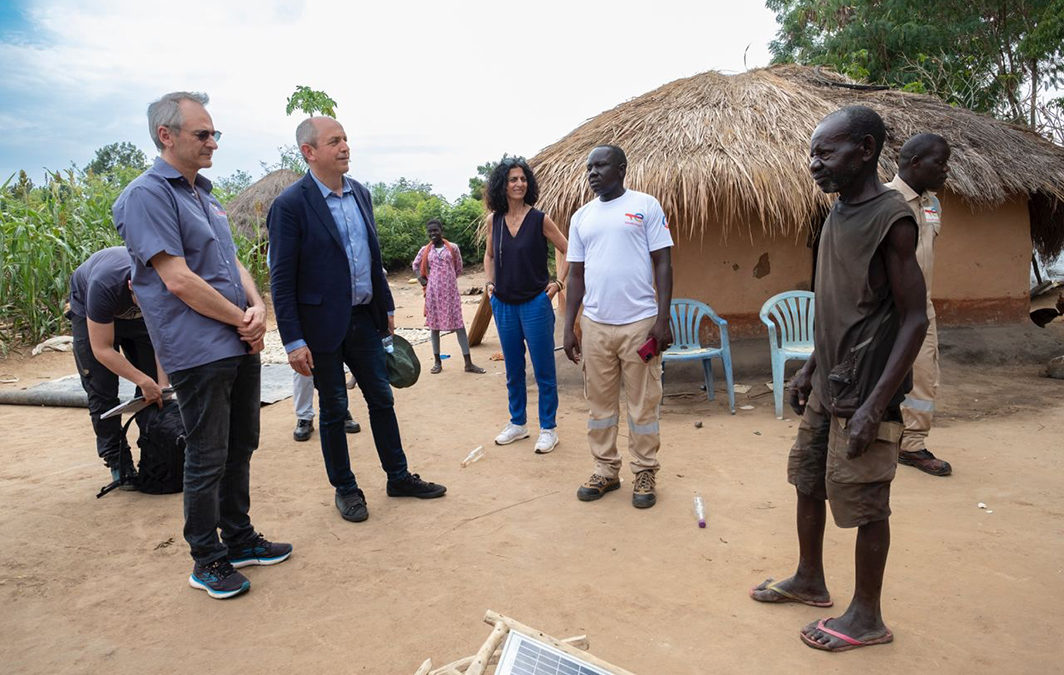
[160, 212]
[99, 288]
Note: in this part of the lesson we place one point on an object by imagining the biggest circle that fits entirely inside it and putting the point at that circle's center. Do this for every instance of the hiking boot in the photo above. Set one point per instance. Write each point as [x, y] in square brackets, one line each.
[510, 433]
[643, 490]
[350, 425]
[303, 429]
[352, 507]
[259, 551]
[413, 486]
[925, 461]
[219, 579]
[547, 441]
[596, 486]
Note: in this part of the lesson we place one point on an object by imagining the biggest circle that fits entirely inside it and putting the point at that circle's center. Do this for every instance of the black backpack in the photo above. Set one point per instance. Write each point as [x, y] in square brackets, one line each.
[162, 450]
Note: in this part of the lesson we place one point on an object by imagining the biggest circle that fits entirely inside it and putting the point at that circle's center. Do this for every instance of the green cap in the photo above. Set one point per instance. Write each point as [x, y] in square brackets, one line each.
[403, 366]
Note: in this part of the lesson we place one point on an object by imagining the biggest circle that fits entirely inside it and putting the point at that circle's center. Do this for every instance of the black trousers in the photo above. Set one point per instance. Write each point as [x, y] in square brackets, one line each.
[101, 385]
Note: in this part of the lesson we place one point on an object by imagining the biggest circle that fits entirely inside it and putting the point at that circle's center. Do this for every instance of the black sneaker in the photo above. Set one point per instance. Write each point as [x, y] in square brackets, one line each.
[259, 551]
[127, 480]
[352, 507]
[350, 425]
[219, 579]
[413, 486]
[303, 429]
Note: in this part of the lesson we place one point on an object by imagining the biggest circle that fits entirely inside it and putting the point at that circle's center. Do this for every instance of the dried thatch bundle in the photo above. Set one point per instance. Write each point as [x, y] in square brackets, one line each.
[247, 211]
[732, 151]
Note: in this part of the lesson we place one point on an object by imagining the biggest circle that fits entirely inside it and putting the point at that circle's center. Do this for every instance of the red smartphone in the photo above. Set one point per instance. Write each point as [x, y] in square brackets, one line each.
[649, 349]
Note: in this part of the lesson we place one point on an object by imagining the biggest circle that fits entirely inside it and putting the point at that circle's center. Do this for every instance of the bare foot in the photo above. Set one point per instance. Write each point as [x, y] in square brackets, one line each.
[840, 636]
[470, 368]
[789, 590]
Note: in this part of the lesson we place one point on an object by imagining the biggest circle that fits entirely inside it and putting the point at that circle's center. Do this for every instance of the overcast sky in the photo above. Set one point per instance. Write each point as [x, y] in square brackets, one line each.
[426, 90]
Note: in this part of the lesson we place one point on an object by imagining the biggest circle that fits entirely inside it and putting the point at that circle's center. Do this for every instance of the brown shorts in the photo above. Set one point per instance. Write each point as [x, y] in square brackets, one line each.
[858, 489]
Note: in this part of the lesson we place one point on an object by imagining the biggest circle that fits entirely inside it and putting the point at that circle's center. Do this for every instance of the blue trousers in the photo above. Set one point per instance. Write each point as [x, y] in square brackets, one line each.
[363, 353]
[219, 404]
[530, 323]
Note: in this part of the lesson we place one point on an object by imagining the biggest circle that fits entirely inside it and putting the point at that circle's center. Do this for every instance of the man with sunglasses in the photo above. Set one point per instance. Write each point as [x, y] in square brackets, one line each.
[207, 321]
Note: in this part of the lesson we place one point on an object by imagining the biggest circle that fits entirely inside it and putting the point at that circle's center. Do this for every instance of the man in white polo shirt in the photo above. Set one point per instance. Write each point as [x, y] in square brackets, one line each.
[619, 253]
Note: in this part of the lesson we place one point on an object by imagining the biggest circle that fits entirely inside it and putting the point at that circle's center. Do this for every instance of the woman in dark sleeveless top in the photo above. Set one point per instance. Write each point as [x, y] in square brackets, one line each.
[515, 263]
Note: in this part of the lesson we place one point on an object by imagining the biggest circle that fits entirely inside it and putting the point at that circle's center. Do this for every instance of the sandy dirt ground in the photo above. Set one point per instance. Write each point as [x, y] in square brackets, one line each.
[93, 586]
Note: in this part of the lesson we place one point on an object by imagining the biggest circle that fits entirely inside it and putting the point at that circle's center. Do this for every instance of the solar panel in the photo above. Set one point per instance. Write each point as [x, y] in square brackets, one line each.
[524, 655]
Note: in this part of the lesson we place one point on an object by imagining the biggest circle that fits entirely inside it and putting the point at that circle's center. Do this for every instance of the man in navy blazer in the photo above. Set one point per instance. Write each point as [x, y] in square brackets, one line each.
[333, 305]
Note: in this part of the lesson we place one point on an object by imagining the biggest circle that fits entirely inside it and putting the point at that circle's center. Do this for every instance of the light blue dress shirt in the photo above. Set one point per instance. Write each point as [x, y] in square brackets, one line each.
[352, 228]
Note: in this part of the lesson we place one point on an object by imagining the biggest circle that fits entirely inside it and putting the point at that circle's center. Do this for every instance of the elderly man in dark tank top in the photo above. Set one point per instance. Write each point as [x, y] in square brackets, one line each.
[870, 321]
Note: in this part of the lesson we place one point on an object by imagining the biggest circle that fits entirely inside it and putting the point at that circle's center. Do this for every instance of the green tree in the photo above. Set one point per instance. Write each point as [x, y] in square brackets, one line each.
[310, 101]
[118, 162]
[290, 157]
[994, 56]
[401, 210]
[478, 182]
[230, 186]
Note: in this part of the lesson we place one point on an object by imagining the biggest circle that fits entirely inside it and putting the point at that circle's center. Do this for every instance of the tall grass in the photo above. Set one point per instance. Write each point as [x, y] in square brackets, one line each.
[46, 232]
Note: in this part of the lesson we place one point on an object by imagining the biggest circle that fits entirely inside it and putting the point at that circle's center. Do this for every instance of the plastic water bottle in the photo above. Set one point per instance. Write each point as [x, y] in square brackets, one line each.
[700, 510]
[473, 456]
[388, 345]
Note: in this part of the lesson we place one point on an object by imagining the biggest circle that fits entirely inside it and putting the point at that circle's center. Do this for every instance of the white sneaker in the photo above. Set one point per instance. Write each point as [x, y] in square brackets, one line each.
[510, 433]
[547, 441]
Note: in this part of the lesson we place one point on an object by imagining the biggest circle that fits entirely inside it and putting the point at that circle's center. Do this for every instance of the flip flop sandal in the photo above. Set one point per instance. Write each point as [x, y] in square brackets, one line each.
[851, 643]
[786, 596]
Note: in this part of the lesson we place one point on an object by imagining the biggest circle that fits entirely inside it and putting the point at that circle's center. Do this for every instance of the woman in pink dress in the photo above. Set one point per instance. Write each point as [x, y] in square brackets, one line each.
[438, 265]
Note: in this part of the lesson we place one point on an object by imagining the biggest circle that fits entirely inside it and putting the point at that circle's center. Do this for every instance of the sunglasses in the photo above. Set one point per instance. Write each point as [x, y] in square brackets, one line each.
[202, 135]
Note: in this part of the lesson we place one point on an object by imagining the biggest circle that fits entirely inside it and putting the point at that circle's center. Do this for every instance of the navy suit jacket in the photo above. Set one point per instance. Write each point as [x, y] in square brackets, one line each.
[310, 280]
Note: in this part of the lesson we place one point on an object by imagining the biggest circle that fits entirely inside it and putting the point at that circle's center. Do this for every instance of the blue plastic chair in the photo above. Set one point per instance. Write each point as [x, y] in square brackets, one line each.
[686, 320]
[789, 317]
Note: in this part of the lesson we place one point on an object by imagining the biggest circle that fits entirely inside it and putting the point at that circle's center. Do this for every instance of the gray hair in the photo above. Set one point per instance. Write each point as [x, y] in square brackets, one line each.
[166, 112]
[307, 131]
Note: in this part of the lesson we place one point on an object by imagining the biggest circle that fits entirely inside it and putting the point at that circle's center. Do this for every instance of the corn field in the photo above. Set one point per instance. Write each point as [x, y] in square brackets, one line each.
[45, 233]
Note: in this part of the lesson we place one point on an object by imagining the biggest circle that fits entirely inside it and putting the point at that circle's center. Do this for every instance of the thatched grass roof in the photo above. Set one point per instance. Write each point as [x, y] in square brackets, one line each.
[732, 152]
[247, 211]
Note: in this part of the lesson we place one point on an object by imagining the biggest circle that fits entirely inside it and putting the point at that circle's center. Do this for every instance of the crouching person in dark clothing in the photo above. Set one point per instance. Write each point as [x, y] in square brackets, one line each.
[111, 341]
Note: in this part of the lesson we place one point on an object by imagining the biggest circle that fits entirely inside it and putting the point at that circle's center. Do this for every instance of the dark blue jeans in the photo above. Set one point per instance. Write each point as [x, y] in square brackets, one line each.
[530, 322]
[363, 353]
[101, 385]
[219, 404]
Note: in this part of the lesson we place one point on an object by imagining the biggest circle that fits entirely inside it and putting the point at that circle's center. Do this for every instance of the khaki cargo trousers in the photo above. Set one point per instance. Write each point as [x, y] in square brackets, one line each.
[918, 408]
[609, 359]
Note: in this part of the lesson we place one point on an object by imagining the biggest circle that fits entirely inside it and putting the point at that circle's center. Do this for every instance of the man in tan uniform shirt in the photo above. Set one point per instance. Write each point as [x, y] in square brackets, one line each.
[923, 165]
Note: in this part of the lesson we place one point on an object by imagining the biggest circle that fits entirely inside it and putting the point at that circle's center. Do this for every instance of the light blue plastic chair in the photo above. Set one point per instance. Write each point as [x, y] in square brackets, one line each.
[686, 320]
[789, 317]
